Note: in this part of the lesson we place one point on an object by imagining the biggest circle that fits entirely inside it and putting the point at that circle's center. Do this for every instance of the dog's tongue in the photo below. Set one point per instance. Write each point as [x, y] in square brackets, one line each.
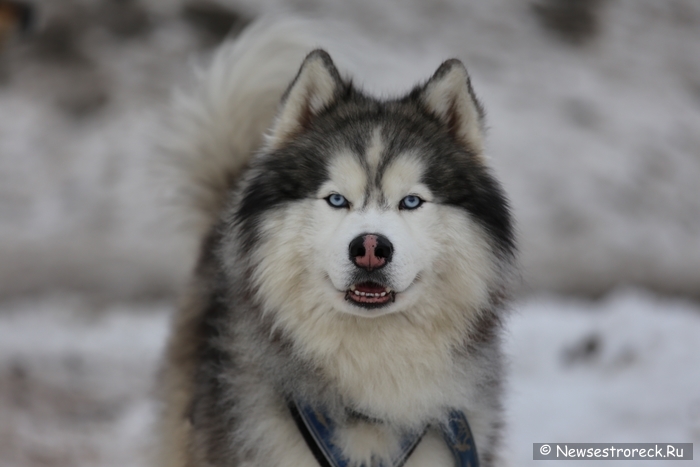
[370, 287]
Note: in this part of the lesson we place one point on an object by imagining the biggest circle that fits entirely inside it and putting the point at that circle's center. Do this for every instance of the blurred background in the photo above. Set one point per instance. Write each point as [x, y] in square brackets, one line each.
[594, 129]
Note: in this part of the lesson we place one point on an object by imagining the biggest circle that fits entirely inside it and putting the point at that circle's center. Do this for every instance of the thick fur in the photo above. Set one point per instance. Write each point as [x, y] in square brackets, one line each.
[269, 315]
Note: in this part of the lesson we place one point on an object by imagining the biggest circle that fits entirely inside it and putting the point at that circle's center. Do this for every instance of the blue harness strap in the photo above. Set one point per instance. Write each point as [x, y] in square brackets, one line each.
[317, 430]
[459, 439]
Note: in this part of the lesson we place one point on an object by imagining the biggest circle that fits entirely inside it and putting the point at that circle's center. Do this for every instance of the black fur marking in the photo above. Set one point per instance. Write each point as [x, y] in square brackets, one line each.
[454, 172]
[296, 172]
[473, 188]
[211, 408]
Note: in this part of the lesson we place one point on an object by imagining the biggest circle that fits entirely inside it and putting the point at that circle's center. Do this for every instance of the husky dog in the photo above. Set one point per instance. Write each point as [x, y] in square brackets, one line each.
[348, 296]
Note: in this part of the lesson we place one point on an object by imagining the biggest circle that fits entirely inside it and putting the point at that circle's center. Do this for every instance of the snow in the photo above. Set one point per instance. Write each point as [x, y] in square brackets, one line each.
[77, 385]
[77, 380]
[639, 383]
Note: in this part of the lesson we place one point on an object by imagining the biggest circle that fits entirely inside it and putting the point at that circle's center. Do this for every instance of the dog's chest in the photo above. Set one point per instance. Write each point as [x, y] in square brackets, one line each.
[370, 445]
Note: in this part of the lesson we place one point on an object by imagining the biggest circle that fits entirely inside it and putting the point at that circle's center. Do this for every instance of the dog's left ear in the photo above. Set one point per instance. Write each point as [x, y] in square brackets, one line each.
[317, 85]
[450, 97]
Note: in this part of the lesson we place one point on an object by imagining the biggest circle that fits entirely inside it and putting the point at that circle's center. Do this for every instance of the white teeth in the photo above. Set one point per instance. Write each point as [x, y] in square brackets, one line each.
[356, 292]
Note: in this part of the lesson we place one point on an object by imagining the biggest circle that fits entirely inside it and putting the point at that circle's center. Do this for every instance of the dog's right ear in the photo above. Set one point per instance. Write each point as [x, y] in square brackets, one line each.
[317, 85]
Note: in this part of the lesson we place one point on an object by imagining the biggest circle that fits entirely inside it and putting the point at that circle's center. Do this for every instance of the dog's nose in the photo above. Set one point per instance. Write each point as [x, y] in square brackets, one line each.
[371, 251]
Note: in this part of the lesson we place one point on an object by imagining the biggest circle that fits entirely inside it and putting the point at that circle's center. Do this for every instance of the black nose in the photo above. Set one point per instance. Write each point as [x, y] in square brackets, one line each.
[371, 251]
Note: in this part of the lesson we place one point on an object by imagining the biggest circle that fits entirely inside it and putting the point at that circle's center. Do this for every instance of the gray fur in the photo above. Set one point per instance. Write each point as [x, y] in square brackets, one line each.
[233, 361]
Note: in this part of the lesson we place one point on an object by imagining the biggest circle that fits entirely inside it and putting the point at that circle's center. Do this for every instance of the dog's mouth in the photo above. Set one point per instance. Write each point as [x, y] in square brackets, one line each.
[370, 295]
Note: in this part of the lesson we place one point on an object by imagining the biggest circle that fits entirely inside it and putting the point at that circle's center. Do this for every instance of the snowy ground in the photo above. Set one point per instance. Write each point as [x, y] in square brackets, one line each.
[75, 381]
[76, 386]
[623, 369]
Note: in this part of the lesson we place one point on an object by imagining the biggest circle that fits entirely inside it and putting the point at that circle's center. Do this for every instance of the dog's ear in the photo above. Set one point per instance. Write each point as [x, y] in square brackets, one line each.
[317, 85]
[449, 96]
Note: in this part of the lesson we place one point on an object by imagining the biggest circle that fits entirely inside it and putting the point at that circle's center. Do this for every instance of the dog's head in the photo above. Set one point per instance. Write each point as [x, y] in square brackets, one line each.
[373, 207]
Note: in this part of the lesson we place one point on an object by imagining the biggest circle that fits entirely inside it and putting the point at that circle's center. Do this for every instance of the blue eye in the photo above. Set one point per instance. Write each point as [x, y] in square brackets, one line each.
[410, 202]
[337, 201]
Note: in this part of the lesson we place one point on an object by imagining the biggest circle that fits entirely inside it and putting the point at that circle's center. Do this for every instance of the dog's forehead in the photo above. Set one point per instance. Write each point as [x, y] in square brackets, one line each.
[401, 175]
[348, 174]
[375, 174]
